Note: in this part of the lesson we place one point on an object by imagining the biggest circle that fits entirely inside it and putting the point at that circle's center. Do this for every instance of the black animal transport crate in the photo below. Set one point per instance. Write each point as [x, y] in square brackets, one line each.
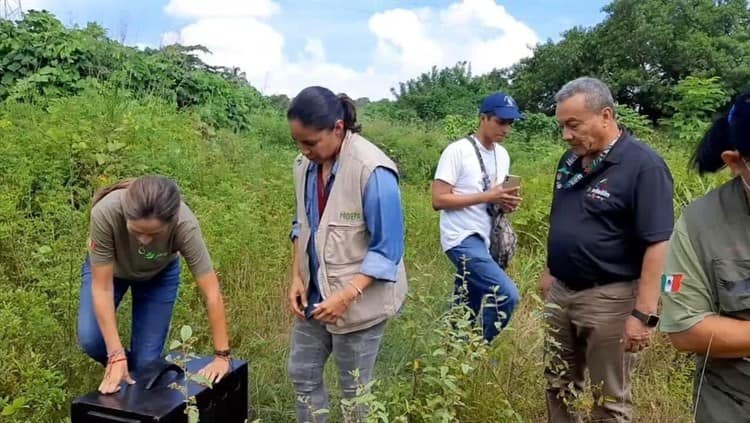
[151, 399]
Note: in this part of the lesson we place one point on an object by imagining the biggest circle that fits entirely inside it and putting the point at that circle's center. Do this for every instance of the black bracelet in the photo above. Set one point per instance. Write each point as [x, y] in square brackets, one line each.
[223, 353]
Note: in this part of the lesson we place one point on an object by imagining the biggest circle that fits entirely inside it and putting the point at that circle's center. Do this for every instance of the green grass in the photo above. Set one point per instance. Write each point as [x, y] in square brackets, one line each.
[240, 188]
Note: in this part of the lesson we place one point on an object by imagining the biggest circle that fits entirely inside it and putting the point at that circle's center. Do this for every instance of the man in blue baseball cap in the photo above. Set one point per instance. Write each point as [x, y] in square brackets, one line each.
[468, 191]
[500, 105]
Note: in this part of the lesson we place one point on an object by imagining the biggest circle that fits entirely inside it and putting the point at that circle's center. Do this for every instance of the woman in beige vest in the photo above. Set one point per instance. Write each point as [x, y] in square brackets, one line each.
[706, 282]
[138, 230]
[348, 272]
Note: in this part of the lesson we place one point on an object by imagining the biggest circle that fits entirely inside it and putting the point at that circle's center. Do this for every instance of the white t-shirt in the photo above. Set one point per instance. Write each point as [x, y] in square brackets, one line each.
[459, 167]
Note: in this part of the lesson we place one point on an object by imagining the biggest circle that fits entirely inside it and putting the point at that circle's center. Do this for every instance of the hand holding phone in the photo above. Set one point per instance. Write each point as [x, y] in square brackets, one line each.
[512, 181]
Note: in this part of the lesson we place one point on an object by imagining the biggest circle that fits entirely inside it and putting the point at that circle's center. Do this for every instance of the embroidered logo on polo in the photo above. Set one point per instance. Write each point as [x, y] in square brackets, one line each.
[599, 191]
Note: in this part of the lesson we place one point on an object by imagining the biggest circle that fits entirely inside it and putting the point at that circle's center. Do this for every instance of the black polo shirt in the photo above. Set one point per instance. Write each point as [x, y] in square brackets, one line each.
[600, 227]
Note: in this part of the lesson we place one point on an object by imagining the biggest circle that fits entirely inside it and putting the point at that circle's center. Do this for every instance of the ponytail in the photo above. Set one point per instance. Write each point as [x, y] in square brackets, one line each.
[731, 132]
[123, 184]
[707, 156]
[319, 108]
[350, 114]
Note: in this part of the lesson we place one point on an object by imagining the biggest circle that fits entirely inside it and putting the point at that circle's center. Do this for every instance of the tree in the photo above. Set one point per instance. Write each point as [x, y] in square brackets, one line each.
[40, 59]
[696, 101]
[653, 44]
[536, 79]
[642, 49]
[449, 91]
[279, 101]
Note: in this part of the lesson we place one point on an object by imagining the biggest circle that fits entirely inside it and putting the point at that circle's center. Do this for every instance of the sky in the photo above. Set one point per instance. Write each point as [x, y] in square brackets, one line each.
[362, 47]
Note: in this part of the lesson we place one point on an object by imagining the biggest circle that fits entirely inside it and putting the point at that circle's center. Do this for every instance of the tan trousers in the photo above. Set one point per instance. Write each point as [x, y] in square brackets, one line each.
[584, 330]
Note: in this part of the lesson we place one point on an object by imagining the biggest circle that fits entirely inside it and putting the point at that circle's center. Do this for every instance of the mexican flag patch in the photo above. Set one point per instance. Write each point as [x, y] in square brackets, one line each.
[671, 283]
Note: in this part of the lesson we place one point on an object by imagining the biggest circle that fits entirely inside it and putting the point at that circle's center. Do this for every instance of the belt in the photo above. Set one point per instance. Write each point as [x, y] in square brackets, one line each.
[577, 287]
[589, 285]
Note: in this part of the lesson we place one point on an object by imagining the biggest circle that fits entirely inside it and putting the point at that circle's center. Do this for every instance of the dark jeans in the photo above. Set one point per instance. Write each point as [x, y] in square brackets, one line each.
[153, 301]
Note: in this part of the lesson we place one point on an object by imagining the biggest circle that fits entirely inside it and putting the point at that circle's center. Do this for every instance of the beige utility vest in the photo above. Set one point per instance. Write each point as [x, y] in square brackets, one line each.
[719, 229]
[342, 239]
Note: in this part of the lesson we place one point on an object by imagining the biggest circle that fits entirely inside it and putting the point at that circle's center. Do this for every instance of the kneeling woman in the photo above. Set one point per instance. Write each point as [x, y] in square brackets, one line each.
[348, 272]
[138, 228]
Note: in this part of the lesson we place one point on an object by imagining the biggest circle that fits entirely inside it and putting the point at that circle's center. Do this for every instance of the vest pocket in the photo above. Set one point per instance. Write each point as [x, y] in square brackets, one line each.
[345, 244]
[732, 284]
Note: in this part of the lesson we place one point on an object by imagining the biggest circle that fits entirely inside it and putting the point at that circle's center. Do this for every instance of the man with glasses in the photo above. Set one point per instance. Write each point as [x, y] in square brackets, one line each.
[468, 192]
[610, 221]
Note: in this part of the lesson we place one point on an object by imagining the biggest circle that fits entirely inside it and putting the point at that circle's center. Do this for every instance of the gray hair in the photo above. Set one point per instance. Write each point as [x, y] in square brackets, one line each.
[596, 93]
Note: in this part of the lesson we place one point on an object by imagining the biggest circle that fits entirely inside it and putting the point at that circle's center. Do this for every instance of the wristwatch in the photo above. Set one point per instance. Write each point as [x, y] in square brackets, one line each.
[650, 320]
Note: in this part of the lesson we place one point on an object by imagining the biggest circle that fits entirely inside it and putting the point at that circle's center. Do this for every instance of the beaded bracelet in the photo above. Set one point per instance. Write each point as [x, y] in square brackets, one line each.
[115, 353]
[111, 362]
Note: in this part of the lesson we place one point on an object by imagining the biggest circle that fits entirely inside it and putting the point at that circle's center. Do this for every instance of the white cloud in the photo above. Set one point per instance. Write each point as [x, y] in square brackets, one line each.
[314, 48]
[37, 5]
[408, 42]
[221, 8]
[403, 41]
[245, 42]
[169, 38]
[56, 6]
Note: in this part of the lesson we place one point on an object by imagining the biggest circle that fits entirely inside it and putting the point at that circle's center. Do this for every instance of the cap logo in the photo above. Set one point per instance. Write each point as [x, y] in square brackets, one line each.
[509, 101]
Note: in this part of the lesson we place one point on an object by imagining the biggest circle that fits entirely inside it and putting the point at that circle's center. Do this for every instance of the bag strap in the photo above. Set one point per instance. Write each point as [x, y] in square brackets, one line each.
[485, 178]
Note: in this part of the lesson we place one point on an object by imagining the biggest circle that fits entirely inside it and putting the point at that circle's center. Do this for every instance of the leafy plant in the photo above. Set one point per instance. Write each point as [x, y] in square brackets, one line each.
[536, 126]
[185, 345]
[439, 379]
[634, 121]
[14, 407]
[455, 126]
[697, 99]
[42, 60]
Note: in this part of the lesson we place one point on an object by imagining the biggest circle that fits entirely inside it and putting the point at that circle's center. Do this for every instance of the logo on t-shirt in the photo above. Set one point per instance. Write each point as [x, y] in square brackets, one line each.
[150, 255]
[599, 191]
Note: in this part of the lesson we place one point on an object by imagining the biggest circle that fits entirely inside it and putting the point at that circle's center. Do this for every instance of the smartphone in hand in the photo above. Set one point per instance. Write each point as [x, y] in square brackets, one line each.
[512, 181]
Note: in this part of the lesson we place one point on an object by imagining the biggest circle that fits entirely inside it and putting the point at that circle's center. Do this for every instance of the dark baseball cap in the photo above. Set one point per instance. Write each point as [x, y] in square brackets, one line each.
[501, 105]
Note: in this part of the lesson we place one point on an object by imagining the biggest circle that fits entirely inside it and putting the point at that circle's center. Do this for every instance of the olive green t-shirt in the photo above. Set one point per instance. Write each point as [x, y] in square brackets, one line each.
[694, 300]
[707, 273]
[111, 242]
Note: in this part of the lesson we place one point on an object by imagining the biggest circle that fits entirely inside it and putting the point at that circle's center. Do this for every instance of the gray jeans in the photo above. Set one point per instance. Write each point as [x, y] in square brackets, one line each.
[311, 346]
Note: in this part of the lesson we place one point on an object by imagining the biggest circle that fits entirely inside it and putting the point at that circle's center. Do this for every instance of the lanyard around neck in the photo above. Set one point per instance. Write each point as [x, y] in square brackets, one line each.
[567, 177]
